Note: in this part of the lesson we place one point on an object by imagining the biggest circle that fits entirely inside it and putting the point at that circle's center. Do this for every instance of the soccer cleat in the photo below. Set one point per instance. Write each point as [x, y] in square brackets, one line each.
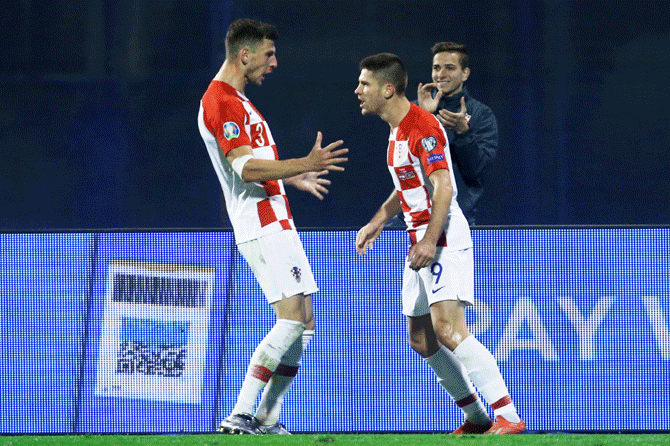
[503, 426]
[471, 428]
[240, 424]
[275, 429]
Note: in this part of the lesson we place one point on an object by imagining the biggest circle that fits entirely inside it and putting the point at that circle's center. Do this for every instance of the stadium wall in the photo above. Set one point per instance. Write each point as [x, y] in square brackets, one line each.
[146, 331]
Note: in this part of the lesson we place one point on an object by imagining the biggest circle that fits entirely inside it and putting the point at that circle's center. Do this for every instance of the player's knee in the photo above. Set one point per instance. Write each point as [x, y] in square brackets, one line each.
[419, 345]
[447, 334]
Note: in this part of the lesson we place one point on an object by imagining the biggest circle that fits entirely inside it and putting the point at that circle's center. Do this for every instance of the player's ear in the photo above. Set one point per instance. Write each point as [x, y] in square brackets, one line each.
[389, 91]
[466, 74]
[244, 55]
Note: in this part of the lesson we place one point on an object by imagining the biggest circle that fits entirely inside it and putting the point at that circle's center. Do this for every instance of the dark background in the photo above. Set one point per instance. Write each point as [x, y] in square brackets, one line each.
[99, 103]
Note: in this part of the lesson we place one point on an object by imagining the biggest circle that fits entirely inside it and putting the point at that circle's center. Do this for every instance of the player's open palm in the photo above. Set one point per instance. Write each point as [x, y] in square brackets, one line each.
[326, 158]
[455, 121]
[311, 182]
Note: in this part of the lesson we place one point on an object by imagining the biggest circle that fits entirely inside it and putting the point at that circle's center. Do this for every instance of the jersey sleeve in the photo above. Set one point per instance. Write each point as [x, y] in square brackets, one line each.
[430, 145]
[229, 126]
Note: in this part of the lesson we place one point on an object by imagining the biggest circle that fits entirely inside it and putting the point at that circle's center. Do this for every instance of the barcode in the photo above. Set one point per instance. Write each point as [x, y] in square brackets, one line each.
[168, 291]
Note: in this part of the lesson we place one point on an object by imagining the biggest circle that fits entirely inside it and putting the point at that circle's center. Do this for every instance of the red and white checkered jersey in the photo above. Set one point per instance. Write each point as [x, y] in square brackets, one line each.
[416, 149]
[227, 119]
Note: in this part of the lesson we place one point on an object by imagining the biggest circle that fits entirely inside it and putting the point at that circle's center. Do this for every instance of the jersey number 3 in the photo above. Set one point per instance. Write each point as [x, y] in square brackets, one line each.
[259, 138]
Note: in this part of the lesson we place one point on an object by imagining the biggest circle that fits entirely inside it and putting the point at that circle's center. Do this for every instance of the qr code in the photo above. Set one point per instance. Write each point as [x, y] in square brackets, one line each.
[138, 358]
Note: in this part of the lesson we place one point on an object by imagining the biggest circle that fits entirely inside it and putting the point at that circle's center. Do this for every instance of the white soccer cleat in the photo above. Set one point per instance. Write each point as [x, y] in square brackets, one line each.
[240, 424]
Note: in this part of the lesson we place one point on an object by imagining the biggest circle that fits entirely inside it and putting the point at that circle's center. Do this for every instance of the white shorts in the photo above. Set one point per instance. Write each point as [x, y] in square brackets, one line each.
[280, 265]
[451, 276]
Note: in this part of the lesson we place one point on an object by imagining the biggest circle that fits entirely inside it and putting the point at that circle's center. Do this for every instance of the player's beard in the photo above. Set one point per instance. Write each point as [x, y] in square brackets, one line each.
[370, 107]
[256, 80]
[257, 76]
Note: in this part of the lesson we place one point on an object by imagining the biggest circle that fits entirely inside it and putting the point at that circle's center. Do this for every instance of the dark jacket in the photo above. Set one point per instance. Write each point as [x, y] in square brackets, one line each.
[472, 151]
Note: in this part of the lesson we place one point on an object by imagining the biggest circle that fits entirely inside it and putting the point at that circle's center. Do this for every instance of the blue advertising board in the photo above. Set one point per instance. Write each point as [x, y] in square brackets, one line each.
[43, 285]
[153, 331]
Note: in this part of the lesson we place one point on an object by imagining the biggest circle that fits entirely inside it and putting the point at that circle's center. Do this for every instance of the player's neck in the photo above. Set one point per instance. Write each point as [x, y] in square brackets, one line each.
[231, 75]
[396, 111]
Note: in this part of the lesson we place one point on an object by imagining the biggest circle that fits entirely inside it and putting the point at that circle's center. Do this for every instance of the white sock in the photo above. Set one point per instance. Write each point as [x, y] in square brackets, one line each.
[265, 360]
[451, 374]
[485, 374]
[273, 395]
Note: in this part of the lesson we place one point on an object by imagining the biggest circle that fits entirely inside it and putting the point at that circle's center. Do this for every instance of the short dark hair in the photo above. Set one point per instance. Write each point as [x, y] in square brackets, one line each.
[452, 47]
[387, 69]
[248, 32]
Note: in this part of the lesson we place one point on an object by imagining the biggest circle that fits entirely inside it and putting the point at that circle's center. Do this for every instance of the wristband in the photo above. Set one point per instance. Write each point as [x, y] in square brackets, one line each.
[239, 162]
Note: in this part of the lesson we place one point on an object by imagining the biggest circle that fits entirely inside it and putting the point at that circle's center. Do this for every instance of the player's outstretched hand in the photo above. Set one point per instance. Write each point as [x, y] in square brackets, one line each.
[457, 122]
[326, 158]
[310, 182]
[366, 237]
[425, 98]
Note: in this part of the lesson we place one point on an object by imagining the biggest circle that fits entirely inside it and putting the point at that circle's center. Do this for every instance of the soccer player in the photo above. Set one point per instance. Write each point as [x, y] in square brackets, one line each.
[252, 177]
[438, 277]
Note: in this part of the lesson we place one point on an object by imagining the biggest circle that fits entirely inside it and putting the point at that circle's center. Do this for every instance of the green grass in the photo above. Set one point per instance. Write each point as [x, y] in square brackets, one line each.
[340, 440]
